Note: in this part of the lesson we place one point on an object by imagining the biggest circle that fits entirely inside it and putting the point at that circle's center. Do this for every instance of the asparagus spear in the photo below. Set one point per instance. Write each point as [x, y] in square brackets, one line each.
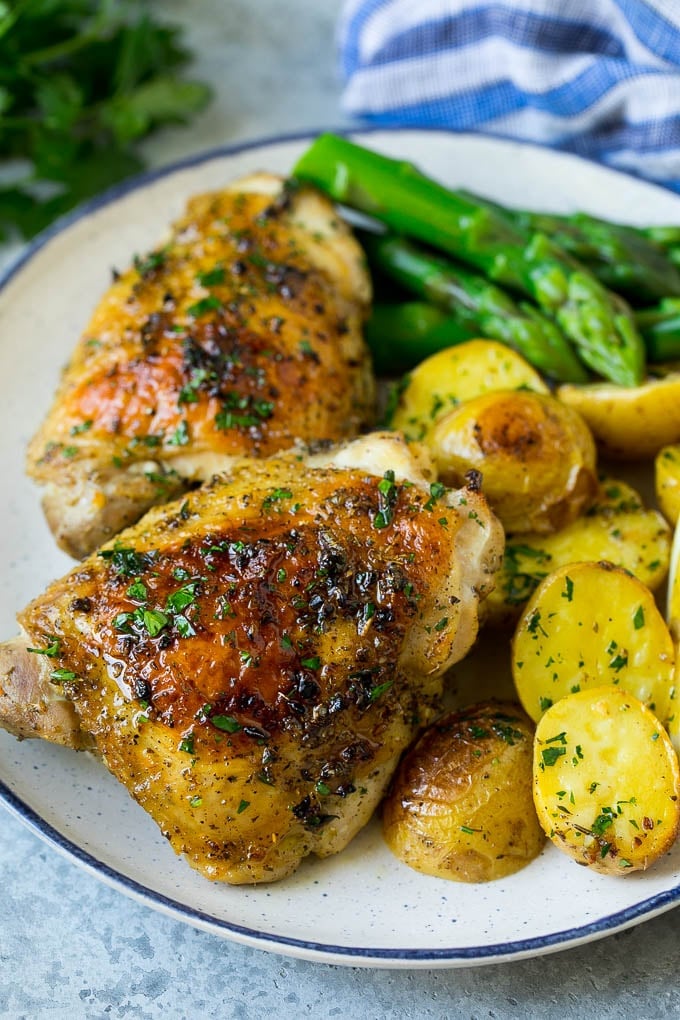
[484, 308]
[660, 328]
[665, 236]
[395, 192]
[401, 335]
[623, 258]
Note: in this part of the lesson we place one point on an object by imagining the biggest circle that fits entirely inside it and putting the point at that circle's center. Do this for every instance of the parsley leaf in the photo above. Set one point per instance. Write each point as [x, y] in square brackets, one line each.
[82, 83]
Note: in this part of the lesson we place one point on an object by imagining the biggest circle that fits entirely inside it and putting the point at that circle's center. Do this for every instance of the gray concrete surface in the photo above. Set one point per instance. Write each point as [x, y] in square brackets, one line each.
[70, 946]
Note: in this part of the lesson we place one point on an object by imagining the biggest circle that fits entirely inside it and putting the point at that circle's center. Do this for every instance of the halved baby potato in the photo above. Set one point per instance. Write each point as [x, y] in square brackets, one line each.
[588, 624]
[629, 422]
[536, 457]
[667, 481]
[673, 599]
[457, 374]
[460, 805]
[606, 780]
[616, 527]
[673, 619]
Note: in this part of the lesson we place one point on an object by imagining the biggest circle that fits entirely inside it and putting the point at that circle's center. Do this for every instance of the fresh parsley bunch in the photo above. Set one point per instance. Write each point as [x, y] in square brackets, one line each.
[81, 82]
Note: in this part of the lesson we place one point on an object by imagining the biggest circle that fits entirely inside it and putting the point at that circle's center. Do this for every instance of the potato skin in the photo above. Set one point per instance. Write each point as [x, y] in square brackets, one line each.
[667, 481]
[537, 457]
[456, 374]
[460, 805]
[629, 422]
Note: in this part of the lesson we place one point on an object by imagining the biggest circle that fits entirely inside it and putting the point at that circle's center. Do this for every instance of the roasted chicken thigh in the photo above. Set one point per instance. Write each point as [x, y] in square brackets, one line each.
[251, 660]
[239, 335]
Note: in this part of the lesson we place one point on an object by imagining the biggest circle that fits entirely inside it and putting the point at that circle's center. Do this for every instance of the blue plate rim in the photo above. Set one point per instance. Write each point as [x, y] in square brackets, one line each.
[320, 952]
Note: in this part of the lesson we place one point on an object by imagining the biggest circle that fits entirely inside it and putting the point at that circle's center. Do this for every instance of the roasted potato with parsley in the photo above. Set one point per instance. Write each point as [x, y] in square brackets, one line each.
[606, 780]
[616, 527]
[673, 596]
[588, 624]
[629, 422]
[460, 805]
[667, 481]
[673, 619]
[457, 374]
[536, 456]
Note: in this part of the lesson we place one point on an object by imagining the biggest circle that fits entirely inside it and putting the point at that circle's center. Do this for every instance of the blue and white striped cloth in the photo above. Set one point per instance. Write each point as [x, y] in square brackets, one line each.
[600, 78]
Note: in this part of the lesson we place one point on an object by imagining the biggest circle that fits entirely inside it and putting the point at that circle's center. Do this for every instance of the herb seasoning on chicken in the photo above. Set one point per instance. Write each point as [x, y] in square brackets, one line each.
[250, 661]
[239, 336]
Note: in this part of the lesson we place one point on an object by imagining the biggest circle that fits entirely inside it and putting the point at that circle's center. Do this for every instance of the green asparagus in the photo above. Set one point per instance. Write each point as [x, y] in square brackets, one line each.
[481, 306]
[660, 328]
[395, 192]
[623, 258]
[665, 236]
[401, 335]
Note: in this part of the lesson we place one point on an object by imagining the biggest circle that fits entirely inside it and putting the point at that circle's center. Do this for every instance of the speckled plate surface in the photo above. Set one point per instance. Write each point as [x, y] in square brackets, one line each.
[362, 907]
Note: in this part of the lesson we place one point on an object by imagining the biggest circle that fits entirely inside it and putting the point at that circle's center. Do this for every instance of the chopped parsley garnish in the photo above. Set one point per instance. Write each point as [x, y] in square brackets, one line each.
[276, 496]
[242, 411]
[187, 744]
[550, 755]
[153, 621]
[437, 490]
[128, 562]
[84, 426]
[151, 439]
[149, 263]
[387, 497]
[189, 392]
[618, 662]
[180, 437]
[377, 692]
[603, 821]
[62, 675]
[211, 278]
[205, 305]
[137, 591]
[534, 625]
[227, 723]
[183, 626]
[52, 649]
[178, 600]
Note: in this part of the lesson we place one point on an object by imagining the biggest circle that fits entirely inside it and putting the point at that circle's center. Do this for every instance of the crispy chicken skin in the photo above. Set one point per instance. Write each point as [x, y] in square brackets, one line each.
[251, 660]
[238, 336]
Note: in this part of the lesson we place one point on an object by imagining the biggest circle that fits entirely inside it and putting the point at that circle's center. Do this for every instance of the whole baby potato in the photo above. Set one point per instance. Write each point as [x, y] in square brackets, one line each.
[454, 375]
[536, 456]
[460, 805]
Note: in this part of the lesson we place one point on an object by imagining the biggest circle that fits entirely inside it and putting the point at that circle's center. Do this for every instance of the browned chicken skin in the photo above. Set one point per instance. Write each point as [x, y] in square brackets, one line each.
[238, 336]
[251, 660]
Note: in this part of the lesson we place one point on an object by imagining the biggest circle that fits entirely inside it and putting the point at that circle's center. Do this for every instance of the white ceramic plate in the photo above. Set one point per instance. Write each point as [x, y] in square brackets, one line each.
[362, 907]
